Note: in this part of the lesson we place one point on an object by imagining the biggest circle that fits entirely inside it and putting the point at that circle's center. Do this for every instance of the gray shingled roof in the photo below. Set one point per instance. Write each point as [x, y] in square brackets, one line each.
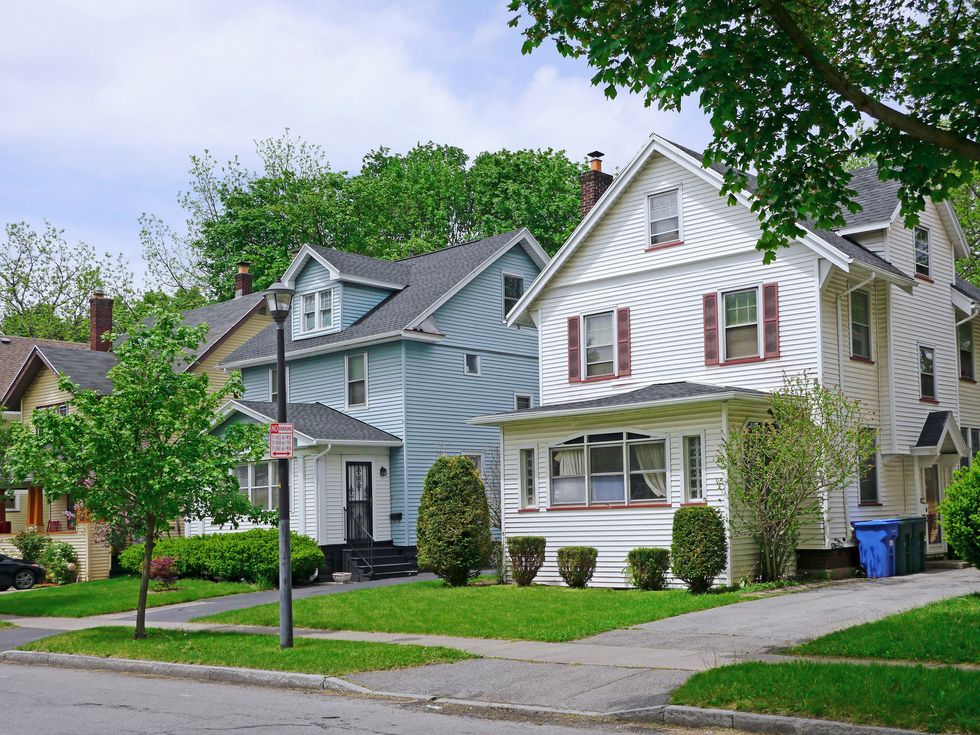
[86, 369]
[364, 266]
[932, 429]
[14, 350]
[968, 289]
[430, 277]
[321, 422]
[654, 393]
[877, 198]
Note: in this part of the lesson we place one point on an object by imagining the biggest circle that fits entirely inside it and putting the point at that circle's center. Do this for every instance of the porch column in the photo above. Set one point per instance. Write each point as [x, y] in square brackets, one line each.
[35, 507]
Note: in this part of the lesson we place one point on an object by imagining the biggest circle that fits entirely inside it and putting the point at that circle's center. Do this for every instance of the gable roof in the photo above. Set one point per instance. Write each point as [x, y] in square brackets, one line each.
[878, 198]
[14, 350]
[317, 423]
[838, 250]
[429, 281]
[938, 426]
[651, 395]
[86, 368]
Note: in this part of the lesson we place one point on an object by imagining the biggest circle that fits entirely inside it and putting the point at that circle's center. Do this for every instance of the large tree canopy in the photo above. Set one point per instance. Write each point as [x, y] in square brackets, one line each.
[785, 83]
[396, 205]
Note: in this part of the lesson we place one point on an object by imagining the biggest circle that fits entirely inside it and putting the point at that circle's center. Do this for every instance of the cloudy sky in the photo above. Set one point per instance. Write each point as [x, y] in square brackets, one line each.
[103, 102]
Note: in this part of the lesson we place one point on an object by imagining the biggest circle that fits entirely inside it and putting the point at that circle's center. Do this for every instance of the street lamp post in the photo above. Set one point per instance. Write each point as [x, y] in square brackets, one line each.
[278, 298]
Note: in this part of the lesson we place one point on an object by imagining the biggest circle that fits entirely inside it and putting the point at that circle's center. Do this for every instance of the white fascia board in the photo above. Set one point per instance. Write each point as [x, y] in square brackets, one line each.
[532, 247]
[306, 252]
[348, 278]
[952, 223]
[961, 301]
[870, 227]
[358, 442]
[500, 419]
[337, 347]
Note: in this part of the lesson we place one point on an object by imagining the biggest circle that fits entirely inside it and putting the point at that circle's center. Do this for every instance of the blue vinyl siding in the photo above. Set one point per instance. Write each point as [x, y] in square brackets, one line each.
[256, 381]
[358, 300]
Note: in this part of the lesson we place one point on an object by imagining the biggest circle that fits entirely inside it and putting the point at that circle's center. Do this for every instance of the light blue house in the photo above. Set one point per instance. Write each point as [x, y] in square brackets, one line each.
[387, 361]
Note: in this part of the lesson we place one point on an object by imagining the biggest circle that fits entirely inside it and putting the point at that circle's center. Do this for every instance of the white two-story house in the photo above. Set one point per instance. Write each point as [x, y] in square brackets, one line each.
[660, 329]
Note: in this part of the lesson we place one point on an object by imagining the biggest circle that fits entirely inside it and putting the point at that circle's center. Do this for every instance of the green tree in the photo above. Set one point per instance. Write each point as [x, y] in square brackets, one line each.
[145, 451]
[784, 84]
[781, 472]
[46, 283]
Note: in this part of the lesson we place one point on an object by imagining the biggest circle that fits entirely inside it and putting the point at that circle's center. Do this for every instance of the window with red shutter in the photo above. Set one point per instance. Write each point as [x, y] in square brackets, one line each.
[770, 320]
[710, 301]
[574, 350]
[623, 347]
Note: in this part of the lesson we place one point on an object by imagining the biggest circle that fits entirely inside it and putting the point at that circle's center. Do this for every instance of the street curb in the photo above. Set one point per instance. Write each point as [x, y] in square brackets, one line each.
[673, 714]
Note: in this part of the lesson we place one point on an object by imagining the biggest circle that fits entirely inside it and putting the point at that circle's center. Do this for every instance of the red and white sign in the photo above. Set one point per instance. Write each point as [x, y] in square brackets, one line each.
[281, 441]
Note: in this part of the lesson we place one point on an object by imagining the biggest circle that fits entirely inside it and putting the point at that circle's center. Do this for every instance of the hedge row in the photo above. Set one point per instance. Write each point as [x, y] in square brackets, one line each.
[251, 556]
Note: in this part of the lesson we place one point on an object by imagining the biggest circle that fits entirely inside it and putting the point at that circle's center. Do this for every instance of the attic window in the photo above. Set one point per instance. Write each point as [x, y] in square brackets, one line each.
[513, 290]
[665, 217]
[317, 312]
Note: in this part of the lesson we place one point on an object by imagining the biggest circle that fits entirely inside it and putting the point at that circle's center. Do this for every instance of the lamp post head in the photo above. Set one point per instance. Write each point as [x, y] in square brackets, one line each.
[278, 298]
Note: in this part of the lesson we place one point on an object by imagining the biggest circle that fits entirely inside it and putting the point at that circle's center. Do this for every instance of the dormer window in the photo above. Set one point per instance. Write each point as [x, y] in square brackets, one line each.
[317, 311]
[665, 217]
[921, 251]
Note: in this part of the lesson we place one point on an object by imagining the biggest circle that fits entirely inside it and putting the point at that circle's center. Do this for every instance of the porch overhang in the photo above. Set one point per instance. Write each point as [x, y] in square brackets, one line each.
[940, 441]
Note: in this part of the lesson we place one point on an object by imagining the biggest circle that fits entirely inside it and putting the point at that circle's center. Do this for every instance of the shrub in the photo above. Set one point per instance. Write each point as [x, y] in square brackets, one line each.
[60, 562]
[647, 568]
[31, 545]
[454, 521]
[163, 571]
[576, 565]
[526, 557]
[252, 556]
[698, 546]
[960, 514]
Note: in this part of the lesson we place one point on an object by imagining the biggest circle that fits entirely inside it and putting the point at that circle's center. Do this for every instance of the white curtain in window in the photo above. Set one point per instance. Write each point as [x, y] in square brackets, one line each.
[650, 459]
[570, 462]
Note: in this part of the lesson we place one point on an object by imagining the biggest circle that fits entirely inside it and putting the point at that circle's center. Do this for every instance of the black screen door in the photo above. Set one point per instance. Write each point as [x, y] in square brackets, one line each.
[359, 512]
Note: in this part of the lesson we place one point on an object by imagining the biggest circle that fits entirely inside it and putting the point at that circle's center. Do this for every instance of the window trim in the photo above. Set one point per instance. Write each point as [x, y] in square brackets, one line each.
[17, 493]
[679, 196]
[850, 309]
[479, 364]
[522, 478]
[922, 396]
[317, 311]
[877, 466]
[625, 442]
[915, 248]
[273, 495]
[347, 380]
[723, 327]
[504, 275]
[272, 395]
[530, 400]
[972, 375]
[583, 350]
[685, 471]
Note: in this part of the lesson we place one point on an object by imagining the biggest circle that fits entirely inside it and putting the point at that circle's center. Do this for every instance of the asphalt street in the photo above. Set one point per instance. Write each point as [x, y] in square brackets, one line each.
[48, 701]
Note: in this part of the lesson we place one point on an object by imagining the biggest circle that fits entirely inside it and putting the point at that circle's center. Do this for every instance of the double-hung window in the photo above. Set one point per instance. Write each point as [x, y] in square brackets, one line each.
[317, 311]
[927, 372]
[357, 384]
[528, 473]
[860, 325]
[665, 217]
[693, 468]
[921, 235]
[259, 481]
[964, 339]
[513, 290]
[869, 477]
[599, 345]
[609, 469]
[741, 319]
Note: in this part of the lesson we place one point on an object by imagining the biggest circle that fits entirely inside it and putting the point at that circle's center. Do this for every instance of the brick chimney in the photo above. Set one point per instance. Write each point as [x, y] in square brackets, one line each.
[100, 322]
[243, 280]
[594, 182]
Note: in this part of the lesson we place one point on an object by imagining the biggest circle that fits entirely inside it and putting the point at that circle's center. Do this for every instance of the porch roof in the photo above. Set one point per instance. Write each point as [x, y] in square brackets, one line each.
[655, 395]
[939, 435]
[319, 423]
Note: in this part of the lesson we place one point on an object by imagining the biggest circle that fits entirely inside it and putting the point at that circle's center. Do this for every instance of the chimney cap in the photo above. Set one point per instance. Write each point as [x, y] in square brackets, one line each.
[596, 154]
[98, 294]
[243, 266]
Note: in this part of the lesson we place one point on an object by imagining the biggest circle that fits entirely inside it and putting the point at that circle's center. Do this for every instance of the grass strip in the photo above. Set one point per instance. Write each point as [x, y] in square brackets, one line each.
[537, 613]
[946, 632]
[912, 697]
[244, 650]
[104, 596]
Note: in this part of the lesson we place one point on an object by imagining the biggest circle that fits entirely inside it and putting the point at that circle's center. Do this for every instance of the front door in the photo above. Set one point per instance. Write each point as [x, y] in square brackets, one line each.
[360, 513]
[934, 494]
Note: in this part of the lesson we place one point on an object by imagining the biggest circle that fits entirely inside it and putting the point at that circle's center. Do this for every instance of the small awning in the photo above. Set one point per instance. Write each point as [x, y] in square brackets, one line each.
[940, 436]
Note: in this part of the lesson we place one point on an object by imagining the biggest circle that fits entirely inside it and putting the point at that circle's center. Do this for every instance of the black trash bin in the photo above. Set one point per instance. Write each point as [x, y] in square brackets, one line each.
[910, 546]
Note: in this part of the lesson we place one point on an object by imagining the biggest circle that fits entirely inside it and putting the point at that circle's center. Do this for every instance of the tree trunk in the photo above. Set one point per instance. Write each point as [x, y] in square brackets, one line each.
[145, 579]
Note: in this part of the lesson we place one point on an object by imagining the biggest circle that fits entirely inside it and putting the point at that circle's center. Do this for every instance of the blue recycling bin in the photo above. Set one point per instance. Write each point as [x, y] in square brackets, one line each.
[876, 545]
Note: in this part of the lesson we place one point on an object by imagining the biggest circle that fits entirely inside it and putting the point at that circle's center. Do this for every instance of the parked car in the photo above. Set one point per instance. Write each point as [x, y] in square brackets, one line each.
[19, 574]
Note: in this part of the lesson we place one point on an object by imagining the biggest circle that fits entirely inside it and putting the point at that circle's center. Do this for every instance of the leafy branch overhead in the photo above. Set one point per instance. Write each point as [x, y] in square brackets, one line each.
[786, 83]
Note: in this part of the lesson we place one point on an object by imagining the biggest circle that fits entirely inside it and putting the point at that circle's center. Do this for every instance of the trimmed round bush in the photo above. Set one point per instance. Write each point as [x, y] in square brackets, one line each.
[647, 567]
[453, 531]
[576, 564]
[60, 562]
[698, 548]
[251, 556]
[526, 557]
[960, 514]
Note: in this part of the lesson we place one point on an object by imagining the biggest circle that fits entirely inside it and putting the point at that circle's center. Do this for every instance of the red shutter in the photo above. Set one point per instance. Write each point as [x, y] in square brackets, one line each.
[770, 320]
[623, 351]
[710, 301]
[574, 350]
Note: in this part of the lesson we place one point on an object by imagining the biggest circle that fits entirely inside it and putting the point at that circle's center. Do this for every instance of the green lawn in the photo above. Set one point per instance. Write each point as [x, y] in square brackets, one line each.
[309, 656]
[109, 596]
[947, 631]
[917, 698]
[536, 613]
[4, 624]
